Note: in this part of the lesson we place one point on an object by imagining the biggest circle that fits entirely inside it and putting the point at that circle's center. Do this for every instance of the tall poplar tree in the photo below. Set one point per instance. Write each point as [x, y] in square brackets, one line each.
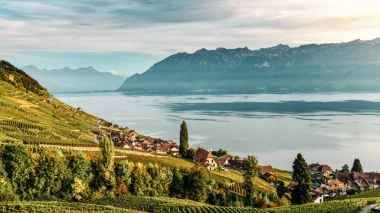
[250, 167]
[357, 166]
[301, 174]
[183, 139]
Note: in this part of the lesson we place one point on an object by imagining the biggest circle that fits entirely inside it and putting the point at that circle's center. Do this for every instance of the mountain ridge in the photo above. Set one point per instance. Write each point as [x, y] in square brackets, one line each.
[310, 67]
[82, 79]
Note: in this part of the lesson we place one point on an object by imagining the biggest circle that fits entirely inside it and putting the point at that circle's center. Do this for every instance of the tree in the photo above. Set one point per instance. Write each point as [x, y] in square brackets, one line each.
[6, 191]
[183, 139]
[17, 162]
[251, 169]
[301, 174]
[140, 184]
[176, 186]
[281, 189]
[237, 157]
[345, 169]
[107, 151]
[196, 184]
[357, 166]
[190, 153]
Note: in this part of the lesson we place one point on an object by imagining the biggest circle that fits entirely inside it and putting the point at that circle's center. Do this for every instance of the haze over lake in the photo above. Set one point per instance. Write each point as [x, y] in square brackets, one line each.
[331, 128]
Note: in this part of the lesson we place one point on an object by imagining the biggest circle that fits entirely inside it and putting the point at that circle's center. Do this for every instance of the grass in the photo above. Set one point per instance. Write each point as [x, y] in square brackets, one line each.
[284, 175]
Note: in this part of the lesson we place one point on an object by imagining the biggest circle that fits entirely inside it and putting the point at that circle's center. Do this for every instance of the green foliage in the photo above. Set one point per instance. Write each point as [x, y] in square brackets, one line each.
[107, 152]
[345, 169]
[140, 181]
[81, 174]
[183, 139]
[6, 191]
[123, 170]
[17, 162]
[196, 183]
[220, 152]
[190, 153]
[281, 189]
[176, 186]
[357, 166]
[251, 169]
[301, 174]
[51, 175]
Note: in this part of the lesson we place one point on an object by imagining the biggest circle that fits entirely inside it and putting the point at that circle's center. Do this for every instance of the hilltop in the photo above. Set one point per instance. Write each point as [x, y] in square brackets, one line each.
[344, 66]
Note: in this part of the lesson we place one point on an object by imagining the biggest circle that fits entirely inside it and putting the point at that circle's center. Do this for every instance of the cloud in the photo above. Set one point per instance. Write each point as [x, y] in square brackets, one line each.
[166, 27]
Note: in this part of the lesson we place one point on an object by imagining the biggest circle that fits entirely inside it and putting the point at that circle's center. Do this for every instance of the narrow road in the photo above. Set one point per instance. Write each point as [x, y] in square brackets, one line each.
[367, 208]
[127, 151]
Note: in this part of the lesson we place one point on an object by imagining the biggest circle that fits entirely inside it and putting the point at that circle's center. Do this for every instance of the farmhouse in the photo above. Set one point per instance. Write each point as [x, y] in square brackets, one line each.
[205, 158]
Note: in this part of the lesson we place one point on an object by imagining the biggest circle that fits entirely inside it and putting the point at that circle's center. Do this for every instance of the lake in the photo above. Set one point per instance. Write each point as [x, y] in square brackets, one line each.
[329, 128]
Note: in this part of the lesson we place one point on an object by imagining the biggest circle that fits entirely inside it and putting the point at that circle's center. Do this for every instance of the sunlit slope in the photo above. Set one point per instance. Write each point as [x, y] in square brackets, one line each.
[29, 114]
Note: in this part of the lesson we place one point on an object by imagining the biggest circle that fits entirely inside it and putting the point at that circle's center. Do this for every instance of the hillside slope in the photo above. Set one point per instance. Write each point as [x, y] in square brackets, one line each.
[30, 114]
[348, 66]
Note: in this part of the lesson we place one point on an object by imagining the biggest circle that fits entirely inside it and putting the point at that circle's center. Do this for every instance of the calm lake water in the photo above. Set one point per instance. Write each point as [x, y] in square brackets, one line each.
[326, 128]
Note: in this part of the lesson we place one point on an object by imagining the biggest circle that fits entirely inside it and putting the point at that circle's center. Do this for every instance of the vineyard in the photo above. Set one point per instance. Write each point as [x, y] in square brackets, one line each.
[69, 207]
[163, 205]
[31, 119]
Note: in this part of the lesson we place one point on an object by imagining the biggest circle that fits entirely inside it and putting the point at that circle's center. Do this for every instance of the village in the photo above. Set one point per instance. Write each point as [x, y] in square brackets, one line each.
[326, 183]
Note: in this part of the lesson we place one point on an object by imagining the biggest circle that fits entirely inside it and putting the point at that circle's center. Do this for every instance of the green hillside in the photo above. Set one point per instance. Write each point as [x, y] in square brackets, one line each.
[29, 114]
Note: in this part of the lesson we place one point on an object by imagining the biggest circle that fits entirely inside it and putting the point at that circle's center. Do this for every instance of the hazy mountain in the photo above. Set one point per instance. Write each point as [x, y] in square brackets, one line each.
[75, 80]
[345, 66]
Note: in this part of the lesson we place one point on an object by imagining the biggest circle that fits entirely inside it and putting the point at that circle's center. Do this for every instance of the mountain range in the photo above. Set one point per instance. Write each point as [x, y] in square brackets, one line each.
[348, 66]
[75, 80]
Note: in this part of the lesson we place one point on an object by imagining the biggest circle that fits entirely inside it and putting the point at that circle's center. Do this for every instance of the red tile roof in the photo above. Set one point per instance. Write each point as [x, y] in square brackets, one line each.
[201, 155]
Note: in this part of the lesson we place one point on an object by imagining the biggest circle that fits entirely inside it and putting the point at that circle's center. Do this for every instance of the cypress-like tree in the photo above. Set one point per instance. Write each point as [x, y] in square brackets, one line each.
[357, 166]
[107, 150]
[183, 139]
[301, 174]
[250, 167]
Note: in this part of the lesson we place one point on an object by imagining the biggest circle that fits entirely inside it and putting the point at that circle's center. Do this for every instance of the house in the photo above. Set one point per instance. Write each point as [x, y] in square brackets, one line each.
[266, 176]
[291, 187]
[359, 180]
[236, 164]
[316, 197]
[266, 169]
[174, 151]
[337, 186]
[223, 160]
[318, 168]
[158, 150]
[205, 158]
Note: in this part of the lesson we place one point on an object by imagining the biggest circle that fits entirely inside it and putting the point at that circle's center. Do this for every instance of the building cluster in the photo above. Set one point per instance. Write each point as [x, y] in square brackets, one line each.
[324, 185]
[131, 141]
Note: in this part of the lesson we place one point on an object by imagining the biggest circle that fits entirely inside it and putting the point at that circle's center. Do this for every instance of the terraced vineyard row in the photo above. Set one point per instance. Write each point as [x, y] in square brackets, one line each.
[346, 206]
[65, 207]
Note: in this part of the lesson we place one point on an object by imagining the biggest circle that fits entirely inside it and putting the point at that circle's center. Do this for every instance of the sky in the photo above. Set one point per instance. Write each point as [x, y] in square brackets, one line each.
[130, 36]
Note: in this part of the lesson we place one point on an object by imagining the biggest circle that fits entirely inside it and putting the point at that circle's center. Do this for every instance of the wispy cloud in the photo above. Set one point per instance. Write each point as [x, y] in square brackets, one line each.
[166, 27]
